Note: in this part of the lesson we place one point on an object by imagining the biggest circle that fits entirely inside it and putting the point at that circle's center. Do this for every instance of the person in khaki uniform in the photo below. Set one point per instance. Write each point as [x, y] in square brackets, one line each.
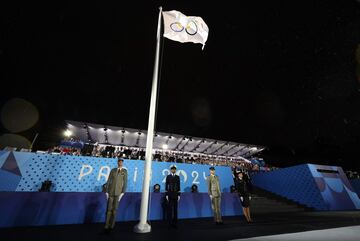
[215, 195]
[115, 188]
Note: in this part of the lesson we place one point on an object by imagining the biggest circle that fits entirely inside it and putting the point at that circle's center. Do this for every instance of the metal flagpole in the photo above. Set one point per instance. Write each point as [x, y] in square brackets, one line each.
[143, 226]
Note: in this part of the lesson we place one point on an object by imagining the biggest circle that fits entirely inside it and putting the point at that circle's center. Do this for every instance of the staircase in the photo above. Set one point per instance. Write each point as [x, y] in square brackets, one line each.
[266, 202]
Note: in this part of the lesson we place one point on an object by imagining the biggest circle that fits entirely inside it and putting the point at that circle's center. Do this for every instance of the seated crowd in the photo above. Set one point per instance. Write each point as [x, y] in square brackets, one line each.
[135, 153]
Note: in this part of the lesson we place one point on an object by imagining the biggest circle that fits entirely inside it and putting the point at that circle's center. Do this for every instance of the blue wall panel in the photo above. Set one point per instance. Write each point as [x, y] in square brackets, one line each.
[329, 190]
[26, 171]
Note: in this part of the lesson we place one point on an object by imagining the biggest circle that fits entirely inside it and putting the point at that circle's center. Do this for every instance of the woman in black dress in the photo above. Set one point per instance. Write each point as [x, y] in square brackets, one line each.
[243, 187]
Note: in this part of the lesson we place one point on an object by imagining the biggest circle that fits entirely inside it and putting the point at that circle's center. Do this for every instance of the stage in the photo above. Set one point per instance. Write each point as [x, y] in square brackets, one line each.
[75, 207]
[195, 229]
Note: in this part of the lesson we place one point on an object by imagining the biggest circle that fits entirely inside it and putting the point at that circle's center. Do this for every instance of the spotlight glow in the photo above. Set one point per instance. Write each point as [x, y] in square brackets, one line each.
[68, 133]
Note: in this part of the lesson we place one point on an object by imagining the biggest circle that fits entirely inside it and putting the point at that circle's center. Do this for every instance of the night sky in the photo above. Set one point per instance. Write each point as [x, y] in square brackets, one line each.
[284, 74]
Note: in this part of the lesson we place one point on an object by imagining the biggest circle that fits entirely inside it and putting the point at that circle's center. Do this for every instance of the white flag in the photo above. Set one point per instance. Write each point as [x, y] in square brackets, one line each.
[182, 28]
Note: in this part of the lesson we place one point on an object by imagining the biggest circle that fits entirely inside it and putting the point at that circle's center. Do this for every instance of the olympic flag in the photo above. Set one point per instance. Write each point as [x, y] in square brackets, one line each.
[182, 28]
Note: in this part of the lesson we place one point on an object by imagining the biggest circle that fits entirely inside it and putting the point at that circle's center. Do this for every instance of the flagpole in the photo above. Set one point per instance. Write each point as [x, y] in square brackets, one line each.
[143, 226]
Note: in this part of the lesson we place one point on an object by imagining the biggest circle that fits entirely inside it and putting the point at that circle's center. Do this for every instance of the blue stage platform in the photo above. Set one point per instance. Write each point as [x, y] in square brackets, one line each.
[76, 196]
[54, 208]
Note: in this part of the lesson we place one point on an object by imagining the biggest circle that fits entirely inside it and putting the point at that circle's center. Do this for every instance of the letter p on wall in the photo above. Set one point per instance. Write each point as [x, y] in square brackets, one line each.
[85, 170]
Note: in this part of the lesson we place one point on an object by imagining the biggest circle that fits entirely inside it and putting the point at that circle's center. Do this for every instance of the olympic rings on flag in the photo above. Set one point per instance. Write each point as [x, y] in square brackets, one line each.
[176, 27]
[191, 28]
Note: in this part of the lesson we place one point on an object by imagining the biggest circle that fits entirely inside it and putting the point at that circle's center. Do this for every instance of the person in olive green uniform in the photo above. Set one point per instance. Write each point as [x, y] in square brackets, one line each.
[115, 189]
[215, 195]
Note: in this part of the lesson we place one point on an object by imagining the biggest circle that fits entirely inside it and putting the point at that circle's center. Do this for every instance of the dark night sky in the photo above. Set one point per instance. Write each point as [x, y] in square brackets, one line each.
[275, 73]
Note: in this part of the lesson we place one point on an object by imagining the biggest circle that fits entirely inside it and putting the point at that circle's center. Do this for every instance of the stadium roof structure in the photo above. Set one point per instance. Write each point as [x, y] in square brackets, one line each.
[121, 136]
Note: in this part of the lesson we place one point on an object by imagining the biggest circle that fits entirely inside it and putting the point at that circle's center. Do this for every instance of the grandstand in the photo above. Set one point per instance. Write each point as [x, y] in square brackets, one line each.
[95, 134]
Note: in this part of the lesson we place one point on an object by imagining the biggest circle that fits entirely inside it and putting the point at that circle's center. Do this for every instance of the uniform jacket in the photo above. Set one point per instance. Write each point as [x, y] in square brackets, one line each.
[172, 186]
[213, 185]
[242, 187]
[117, 182]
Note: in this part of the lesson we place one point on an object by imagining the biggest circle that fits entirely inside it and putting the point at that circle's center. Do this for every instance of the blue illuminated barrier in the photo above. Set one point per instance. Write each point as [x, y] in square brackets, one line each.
[24, 171]
[356, 185]
[316, 186]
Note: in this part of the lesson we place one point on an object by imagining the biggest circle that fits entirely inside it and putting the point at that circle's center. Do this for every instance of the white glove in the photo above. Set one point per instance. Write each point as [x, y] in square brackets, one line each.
[242, 199]
[178, 198]
[211, 196]
[107, 196]
[121, 195]
[167, 198]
